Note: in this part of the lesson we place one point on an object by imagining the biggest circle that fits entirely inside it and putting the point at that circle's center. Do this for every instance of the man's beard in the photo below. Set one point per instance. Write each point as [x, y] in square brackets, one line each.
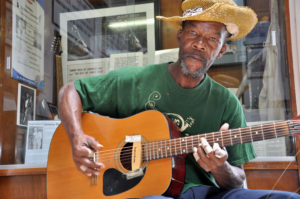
[198, 73]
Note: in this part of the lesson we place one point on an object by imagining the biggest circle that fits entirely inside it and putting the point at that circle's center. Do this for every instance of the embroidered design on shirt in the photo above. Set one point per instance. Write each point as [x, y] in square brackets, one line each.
[154, 96]
[180, 122]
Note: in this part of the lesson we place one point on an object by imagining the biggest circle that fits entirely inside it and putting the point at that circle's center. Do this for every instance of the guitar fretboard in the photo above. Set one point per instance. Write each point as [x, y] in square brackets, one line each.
[184, 145]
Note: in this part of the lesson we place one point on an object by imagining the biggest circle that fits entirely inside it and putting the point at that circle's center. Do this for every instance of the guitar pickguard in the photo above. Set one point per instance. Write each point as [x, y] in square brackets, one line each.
[115, 182]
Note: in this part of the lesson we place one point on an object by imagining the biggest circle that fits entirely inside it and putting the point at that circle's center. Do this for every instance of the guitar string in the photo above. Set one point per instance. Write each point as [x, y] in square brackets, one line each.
[155, 153]
[159, 148]
[189, 141]
[155, 149]
[226, 135]
[209, 135]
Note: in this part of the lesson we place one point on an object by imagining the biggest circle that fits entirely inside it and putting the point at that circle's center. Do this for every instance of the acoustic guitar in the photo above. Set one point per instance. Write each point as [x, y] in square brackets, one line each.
[143, 155]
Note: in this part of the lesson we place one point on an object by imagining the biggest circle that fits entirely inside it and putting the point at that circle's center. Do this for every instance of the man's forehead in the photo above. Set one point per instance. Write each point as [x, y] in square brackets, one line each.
[201, 23]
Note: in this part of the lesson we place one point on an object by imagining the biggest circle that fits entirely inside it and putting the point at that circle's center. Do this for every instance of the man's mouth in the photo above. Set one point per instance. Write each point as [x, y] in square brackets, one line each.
[196, 57]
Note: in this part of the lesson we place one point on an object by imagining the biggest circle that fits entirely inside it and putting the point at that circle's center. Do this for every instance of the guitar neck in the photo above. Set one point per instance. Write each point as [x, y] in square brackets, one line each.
[184, 145]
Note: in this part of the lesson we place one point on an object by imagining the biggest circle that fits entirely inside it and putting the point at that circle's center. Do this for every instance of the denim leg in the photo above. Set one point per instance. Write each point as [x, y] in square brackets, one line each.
[156, 197]
[206, 192]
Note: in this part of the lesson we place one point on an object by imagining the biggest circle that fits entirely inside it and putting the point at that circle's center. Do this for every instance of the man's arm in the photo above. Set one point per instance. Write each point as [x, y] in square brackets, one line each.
[70, 110]
[215, 161]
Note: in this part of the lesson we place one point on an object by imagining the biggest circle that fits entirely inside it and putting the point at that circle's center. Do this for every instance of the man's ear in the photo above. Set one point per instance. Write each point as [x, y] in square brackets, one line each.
[222, 51]
[179, 35]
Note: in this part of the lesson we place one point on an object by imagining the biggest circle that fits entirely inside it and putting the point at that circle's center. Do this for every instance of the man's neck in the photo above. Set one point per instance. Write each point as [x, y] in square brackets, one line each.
[182, 80]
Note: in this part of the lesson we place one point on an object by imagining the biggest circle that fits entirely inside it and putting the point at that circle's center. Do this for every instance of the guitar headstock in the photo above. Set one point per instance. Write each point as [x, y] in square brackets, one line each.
[55, 47]
[294, 126]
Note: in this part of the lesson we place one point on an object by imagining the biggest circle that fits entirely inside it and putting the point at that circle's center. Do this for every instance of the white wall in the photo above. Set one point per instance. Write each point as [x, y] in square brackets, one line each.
[295, 33]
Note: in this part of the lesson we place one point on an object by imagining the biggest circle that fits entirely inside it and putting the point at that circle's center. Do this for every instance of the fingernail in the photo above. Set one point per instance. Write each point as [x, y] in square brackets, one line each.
[195, 149]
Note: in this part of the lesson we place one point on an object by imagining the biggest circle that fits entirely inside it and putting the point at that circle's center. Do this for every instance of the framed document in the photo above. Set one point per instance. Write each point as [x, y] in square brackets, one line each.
[90, 37]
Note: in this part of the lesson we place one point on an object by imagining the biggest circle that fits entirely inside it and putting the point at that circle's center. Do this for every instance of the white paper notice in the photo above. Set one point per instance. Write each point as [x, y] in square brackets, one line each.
[86, 68]
[126, 59]
[164, 56]
[38, 139]
[28, 42]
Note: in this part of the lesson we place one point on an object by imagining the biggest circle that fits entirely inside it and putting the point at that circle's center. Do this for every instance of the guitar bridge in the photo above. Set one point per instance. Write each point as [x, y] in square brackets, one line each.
[133, 174]
[94, 178]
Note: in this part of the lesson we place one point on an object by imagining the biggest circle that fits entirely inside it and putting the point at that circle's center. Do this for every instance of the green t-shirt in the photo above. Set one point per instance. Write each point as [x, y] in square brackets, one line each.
[203, 109]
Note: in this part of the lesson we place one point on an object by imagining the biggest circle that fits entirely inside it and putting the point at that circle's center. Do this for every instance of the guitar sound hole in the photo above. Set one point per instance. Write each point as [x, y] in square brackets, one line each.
[125, 156]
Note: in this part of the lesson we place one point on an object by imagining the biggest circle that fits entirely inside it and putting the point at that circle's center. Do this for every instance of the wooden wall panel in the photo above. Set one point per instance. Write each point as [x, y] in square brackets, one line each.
[168, 37]
[9, 89]
[267, 179]
[281, 175]
[23, 187]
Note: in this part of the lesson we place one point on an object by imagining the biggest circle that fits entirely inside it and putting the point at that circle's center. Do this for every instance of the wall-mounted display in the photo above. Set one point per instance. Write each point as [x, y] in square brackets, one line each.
[90, 37]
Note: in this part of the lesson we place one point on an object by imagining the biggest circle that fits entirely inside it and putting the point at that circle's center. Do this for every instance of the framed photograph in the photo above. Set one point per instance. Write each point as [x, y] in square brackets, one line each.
[90, 37]
[26, 104]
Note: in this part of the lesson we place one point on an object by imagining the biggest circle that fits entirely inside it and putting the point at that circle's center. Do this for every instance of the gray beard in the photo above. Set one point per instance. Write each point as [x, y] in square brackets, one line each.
[194, 75]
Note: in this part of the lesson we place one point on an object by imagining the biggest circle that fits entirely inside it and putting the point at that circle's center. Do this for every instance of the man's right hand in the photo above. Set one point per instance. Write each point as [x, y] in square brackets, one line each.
[83, 148]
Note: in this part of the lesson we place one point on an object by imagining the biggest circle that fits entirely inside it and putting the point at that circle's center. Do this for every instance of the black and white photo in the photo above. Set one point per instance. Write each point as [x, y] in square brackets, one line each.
[26, 104]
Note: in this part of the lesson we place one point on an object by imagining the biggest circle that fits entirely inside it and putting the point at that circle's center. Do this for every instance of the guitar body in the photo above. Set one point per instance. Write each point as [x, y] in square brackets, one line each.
[116, 181]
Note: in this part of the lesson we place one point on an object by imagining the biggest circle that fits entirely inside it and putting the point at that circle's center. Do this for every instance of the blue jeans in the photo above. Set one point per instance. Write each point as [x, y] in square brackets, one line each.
[206, 192]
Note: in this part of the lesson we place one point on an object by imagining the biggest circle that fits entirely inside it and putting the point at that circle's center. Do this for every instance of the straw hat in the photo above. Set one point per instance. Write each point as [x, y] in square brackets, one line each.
[239, 20]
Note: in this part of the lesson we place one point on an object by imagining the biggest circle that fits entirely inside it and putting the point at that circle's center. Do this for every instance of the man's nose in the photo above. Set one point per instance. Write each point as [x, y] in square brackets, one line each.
[199, 44]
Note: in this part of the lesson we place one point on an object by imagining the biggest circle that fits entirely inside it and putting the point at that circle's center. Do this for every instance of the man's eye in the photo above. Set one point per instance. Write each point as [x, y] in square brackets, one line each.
[192, 32]
[213, 39]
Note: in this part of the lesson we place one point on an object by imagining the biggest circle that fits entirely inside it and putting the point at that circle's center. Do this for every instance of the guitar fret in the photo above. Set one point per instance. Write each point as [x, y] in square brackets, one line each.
[217, 137]
[181, 149]
[236, 138]
[145, 152]
[153, 151]
[274, 129]
[166, 153]
[230, 137]
[169, 148]
[194, 142]
[175, 146]
[251, 134]
[160, 150]
[149, 150]
[186, 147]
[247, 136]
[157, 150]
[222, 138]
[268, 132]
[226, 139]
[257, 134]
[262, 132]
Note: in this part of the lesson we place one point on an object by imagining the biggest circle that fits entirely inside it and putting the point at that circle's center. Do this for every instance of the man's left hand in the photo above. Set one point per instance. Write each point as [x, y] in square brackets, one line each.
[210, 158]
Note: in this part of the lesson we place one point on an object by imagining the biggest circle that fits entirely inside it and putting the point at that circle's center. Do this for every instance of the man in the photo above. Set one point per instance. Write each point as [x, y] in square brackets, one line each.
[183, 91]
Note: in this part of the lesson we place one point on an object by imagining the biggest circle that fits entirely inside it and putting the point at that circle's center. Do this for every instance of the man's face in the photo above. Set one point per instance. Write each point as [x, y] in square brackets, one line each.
[200, 43]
